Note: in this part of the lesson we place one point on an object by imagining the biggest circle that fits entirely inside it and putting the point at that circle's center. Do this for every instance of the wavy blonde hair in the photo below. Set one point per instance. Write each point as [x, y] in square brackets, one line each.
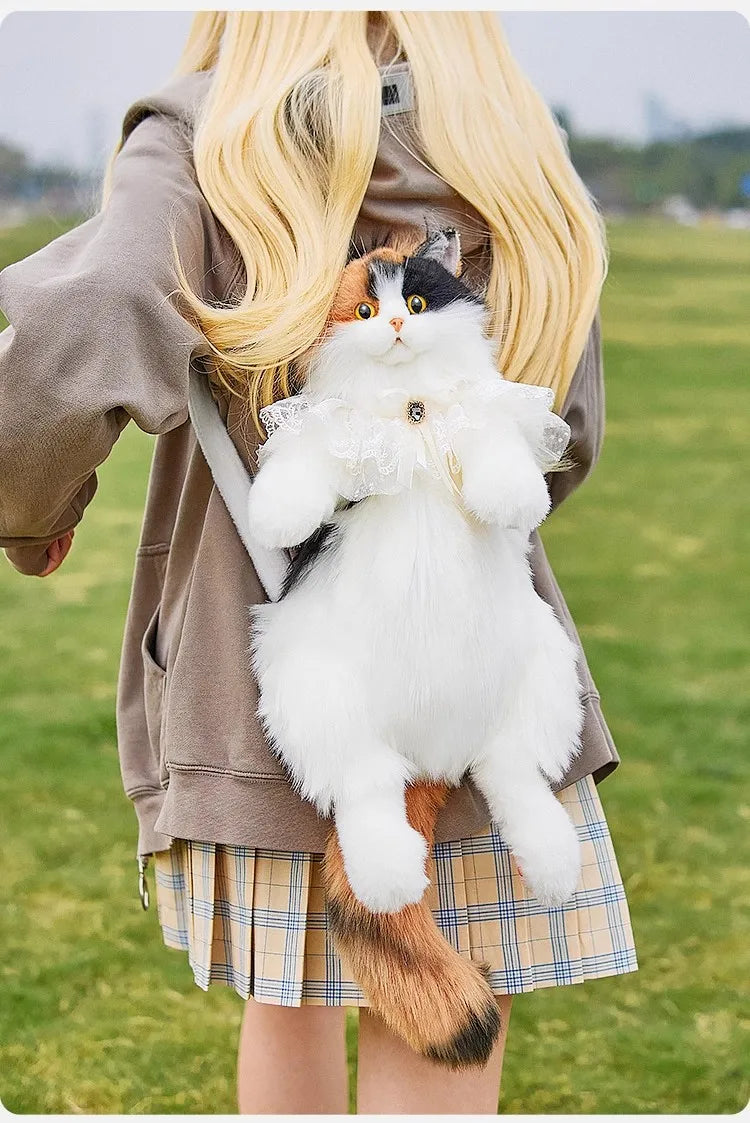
[284, 149]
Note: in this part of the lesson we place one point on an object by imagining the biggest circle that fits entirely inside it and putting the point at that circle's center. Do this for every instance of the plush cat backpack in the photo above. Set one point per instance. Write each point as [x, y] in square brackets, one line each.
[405, 646]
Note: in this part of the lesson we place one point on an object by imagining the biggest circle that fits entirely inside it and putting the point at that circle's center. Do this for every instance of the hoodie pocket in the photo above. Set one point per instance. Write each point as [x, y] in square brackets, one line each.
[154, 681]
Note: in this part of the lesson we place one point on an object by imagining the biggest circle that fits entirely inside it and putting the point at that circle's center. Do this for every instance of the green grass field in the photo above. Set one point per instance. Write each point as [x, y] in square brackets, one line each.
[652, 553]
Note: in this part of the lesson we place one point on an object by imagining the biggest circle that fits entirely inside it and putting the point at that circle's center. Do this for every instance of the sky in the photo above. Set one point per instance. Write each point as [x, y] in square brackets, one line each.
[66, 78]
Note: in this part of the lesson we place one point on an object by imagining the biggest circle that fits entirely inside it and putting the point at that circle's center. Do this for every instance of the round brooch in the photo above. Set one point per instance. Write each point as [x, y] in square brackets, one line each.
[415, 412]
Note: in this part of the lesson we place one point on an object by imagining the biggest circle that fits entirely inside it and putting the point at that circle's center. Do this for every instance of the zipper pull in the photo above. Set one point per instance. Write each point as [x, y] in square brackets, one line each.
[142, 883]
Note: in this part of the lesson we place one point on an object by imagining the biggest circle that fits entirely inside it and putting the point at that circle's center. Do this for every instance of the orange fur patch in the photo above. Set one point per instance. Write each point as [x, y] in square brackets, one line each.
[352, 288]
[352, 291]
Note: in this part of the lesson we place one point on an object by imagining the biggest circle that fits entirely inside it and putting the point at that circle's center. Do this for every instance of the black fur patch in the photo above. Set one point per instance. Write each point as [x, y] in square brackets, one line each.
[425, 276]
[434, 282]
[307, 554]
[474, 1044]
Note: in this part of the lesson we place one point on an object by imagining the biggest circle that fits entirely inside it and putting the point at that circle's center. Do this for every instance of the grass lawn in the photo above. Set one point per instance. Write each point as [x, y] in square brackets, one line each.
[652, 553]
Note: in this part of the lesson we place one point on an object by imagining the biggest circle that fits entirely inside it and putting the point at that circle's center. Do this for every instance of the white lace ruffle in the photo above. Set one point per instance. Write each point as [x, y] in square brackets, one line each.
[382, 453]
[547, 433]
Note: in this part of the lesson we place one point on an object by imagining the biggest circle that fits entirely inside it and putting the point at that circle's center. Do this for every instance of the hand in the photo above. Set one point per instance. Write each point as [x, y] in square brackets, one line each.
[57, 552]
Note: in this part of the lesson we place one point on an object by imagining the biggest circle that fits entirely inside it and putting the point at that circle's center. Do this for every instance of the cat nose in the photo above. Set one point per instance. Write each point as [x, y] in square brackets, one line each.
[396, 323]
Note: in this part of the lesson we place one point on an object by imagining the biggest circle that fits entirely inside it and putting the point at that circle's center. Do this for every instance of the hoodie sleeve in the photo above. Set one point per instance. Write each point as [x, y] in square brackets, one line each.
[95, 338]
[583, 410]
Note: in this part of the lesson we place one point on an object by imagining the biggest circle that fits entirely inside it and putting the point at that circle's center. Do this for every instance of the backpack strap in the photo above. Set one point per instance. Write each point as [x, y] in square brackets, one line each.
[233, 482]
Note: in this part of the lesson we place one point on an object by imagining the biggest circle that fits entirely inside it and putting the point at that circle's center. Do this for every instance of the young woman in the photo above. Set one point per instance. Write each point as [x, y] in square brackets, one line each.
[288, 141]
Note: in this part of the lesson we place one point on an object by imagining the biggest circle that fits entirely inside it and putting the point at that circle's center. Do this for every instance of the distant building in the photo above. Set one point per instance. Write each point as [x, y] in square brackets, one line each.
[679, 209]
[738, 218]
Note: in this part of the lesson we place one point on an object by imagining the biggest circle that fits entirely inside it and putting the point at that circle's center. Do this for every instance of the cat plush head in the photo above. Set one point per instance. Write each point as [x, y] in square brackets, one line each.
[401, 310]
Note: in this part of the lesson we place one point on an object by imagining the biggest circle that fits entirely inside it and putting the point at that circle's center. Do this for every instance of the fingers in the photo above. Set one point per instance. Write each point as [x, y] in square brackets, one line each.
[57, 552]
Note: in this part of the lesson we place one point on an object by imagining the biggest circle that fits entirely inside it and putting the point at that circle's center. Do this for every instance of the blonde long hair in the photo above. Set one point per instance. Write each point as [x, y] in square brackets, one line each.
[284, 148]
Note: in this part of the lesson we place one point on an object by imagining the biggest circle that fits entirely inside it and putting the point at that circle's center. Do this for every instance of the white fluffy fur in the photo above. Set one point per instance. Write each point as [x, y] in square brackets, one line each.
[417, 647]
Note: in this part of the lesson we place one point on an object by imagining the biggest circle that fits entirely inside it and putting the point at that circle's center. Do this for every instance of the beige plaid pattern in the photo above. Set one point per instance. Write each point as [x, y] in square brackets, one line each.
[255, 919]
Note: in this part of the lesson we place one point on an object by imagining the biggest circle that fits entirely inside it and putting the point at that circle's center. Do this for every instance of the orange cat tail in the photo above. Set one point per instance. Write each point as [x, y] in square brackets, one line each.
[437, 1001]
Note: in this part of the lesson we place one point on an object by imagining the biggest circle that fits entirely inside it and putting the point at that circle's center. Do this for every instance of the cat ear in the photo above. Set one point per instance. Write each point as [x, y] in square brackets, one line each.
[443, 246]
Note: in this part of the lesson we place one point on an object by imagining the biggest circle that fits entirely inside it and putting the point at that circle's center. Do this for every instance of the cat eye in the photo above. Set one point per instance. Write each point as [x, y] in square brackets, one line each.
[416, 303]
[364, 311]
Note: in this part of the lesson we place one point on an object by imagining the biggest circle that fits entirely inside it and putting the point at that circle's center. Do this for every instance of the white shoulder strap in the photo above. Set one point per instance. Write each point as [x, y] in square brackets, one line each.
[232, 481]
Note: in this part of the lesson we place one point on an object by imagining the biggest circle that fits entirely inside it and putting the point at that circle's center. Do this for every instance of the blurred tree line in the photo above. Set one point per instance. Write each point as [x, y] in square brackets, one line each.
[20, 179]
[710, 170]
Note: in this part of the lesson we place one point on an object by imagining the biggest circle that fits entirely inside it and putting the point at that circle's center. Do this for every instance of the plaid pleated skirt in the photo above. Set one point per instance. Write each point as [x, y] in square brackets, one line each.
[255, 920]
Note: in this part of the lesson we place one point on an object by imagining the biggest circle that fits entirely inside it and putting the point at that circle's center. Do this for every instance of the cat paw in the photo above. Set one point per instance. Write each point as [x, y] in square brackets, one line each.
[281, 517]
[551, 862]
[387, 873]
[521, 501]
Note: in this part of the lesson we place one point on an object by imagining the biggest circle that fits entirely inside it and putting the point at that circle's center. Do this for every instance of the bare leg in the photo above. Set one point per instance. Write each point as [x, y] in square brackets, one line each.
[292, 1060]
[394, 1080]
